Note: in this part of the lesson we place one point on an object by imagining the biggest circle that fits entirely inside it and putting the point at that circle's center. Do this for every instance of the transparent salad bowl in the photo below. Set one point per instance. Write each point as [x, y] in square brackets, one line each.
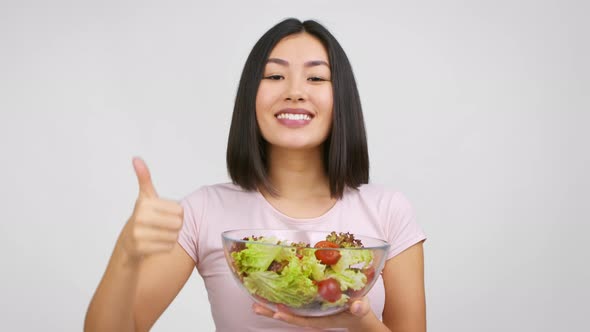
[307, 273]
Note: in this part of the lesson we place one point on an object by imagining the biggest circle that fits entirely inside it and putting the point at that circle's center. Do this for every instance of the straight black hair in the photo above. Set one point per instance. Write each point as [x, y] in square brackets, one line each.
[345, 154]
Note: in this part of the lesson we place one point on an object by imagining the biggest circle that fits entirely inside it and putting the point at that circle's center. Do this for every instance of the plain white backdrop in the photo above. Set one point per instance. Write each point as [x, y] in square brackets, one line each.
[479, 111]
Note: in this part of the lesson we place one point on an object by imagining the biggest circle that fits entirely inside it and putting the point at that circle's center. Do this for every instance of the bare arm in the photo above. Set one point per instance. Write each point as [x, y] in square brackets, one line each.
[161, 278]
[132, 295]
[405, 303]
[147, 268]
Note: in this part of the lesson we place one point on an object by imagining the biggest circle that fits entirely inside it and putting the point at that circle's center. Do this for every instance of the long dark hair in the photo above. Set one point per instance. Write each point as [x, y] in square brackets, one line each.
[345, 154]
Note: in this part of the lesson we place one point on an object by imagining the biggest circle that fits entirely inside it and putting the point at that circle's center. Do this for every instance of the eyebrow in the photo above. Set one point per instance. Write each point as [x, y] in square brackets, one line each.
[311, 63]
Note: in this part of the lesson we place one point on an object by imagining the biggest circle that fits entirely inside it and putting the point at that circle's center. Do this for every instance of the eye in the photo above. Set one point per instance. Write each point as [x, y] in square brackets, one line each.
[274, 77]
[316, 79]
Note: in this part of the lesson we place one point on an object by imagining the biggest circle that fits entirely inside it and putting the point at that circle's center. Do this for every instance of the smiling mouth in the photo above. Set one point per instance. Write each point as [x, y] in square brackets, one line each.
[290, 116]
[294, 118]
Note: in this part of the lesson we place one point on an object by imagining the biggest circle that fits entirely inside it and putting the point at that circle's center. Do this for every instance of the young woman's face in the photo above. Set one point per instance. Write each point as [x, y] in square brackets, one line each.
[294, 101]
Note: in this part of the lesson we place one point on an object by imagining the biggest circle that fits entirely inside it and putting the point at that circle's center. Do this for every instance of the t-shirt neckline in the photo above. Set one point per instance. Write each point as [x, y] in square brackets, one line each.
[300, 221]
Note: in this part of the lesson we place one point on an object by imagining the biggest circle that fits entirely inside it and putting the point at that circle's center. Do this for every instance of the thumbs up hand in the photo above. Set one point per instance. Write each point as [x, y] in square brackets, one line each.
[155, 223]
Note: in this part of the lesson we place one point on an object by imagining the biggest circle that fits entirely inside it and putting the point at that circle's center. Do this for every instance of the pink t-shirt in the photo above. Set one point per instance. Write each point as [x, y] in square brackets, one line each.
[371, 211]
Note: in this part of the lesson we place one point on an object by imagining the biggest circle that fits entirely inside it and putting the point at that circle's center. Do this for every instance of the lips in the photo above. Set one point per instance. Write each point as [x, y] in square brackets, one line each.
[294, 117]
[294, 111]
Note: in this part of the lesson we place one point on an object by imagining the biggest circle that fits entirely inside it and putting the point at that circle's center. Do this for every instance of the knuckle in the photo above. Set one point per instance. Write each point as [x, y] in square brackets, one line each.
[140, 216]
[140, 203]
[136, 233]
[145, 203]
[146, 218]
[177, 224]
[180, 210]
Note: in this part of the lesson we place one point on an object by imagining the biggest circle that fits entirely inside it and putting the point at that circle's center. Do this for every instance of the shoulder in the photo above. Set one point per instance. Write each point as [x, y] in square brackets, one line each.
[383, 200]
[378, 193]
[219, 191]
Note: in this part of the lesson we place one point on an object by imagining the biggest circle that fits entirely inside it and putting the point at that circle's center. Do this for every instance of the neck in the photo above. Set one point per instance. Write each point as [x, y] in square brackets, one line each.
[298, 174]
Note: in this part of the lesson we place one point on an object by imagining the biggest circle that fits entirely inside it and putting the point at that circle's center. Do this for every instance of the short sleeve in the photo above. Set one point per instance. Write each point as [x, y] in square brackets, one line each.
[402, 230]
[194, 209]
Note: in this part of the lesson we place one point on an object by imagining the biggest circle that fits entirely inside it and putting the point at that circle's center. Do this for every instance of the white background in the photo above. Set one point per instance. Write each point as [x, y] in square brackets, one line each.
[479, 111]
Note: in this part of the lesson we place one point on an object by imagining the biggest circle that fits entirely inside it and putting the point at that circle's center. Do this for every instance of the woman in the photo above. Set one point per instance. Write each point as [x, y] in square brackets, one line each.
[297, 156]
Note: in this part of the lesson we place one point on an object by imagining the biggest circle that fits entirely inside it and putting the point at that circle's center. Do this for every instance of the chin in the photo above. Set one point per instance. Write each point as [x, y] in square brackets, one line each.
[296, 145]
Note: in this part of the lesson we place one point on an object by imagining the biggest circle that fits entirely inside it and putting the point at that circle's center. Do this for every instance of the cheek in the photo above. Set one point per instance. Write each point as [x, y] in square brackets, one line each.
[260, 101]
[325, 102]
[265, 97]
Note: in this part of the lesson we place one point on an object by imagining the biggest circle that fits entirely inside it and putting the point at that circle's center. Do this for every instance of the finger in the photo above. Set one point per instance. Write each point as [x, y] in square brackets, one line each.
[292, 319]
[360, 307]
[262, 310]
[283, 308]
[146, 188]
[167, 207]
[315, 322]
[160, 221]
[158, 206]
[151, 234]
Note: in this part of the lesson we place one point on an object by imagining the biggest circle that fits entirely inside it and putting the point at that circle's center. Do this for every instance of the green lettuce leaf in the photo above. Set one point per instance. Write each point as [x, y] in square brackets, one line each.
[351, 257]
[342, 301]
[348, 278]
[311, 266]
[291, 287]
[256, 257]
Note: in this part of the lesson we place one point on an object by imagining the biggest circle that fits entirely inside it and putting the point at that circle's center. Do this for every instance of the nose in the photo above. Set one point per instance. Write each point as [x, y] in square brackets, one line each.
[295, 91]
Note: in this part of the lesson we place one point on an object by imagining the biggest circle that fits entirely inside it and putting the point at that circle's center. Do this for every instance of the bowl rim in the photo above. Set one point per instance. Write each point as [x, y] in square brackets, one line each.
[224, 235]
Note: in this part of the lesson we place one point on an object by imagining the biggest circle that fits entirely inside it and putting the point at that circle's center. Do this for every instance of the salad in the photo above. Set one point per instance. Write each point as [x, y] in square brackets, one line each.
[297, 275]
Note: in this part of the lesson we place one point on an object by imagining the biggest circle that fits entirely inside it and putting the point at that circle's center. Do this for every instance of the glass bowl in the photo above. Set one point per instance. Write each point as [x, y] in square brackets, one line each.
[300, 272]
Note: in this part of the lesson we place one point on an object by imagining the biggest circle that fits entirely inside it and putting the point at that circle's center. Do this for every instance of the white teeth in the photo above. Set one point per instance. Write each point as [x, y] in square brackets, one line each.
[294, 116]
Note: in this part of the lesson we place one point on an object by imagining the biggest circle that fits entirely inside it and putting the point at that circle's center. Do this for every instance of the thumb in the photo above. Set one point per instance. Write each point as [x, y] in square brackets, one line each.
[146, 188]
[360, 307]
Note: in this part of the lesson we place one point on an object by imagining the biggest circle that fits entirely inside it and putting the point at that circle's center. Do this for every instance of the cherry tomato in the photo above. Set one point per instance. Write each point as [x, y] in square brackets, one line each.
[328, 257]
[329, 289]
[326, 244]
[369, 273]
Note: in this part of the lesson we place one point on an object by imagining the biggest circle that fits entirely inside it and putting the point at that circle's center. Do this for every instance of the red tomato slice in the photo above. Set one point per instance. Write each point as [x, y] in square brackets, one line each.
[326, 244]
[328, 257]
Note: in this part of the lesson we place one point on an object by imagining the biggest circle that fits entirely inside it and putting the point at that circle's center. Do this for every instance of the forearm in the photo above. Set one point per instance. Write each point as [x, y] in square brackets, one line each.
[111, 308]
